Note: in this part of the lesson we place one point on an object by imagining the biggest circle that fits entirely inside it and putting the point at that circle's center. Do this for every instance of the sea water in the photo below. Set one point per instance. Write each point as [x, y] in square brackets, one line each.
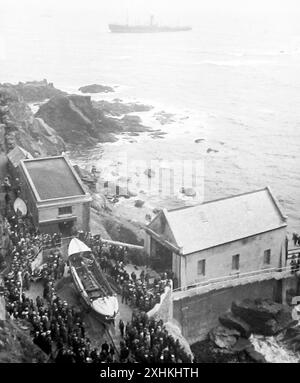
[233, 81]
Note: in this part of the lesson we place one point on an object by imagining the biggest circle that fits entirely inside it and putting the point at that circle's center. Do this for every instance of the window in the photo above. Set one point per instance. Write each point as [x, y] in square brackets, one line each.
[65, 210]
[267, 257]
[201, 267]
[236, 262]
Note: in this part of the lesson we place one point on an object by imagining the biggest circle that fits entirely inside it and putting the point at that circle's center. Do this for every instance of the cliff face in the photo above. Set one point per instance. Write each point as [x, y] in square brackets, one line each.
[19, 126]
[76, 120]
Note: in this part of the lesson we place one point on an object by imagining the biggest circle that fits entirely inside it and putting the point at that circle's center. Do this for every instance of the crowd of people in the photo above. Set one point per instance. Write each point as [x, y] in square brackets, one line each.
[137, 291]
[146, 340]
[56, 327]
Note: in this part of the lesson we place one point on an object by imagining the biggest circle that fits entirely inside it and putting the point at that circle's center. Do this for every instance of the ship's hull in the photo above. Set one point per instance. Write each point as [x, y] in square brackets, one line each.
[118, 28]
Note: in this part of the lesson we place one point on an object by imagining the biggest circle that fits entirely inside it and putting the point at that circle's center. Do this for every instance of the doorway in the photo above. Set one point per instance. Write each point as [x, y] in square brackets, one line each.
[66, 228]
[161, 256]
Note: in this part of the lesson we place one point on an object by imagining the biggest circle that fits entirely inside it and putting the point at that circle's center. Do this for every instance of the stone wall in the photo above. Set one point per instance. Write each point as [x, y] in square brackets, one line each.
[163, 309]
[198, 314]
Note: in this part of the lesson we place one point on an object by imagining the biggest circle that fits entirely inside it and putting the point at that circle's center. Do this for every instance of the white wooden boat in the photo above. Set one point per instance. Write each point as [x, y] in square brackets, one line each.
[90, 281]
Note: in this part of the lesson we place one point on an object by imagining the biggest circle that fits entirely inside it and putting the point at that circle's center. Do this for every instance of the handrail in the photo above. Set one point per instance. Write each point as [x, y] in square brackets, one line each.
[232, 277]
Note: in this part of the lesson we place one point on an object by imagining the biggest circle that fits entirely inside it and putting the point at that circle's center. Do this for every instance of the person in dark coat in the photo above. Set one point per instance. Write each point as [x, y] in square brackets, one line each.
[121, 327]
[105, 347]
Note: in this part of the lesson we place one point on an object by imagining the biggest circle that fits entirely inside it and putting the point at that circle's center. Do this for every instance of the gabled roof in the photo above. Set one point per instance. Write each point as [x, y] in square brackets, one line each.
[225, 220]
[52, 178]
[17, 154]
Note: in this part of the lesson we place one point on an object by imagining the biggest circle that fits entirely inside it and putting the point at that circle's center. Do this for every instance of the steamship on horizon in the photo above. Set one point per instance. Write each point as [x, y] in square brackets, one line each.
[150, 28]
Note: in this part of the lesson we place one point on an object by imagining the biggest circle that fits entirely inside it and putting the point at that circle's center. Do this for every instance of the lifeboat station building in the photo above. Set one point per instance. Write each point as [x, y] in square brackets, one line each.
[229, 236]
[54, 195]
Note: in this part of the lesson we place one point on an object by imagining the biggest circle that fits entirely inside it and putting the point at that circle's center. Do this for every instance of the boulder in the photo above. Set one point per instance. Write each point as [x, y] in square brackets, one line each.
[230, 321]
[264, 316]
[118, 108]
[255, 355]
[96, 88]
[209, 150]
[139, 203]
[224, 337]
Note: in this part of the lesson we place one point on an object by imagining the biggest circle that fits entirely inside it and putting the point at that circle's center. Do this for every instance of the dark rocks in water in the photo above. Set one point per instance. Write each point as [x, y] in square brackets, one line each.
[157, 134]
[139, 203]
[149, 173]
[264, 316]
[34, 91]
[224, 337]
[230, 321]
[130, 123]
[209, 150]
[206, 351]
[118, 108]
[292, 338]
[198, 140]
[164, 118]
[96, 88]
[255, 355]
[76, 120]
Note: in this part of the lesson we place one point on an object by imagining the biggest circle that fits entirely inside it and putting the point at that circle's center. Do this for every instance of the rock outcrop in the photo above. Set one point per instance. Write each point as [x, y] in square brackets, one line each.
[20, 127]
[16, 345]
[264, 316]
[96, 88]
[80, 121]
[230, 321]
[76, 120]
[35, 91]
[118, 108]
[244, 332]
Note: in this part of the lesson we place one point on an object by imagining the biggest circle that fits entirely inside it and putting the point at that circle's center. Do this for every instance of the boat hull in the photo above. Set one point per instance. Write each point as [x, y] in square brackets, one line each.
[90, 282]
[86, 301]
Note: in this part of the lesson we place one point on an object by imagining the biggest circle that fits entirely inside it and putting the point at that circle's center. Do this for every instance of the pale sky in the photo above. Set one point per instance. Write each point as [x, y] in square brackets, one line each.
[184, 12]
[157, 6]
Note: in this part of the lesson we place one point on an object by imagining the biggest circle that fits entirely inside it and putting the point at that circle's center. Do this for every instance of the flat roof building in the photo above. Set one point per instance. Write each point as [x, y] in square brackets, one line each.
[232, 235]
[55, 195]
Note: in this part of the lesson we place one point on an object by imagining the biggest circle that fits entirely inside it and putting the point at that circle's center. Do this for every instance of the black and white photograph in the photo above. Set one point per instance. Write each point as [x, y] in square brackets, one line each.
[149, 185]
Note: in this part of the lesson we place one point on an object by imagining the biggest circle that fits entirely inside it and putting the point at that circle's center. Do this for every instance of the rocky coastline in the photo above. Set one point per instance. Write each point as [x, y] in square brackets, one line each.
[253, 331]
[64, 122]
